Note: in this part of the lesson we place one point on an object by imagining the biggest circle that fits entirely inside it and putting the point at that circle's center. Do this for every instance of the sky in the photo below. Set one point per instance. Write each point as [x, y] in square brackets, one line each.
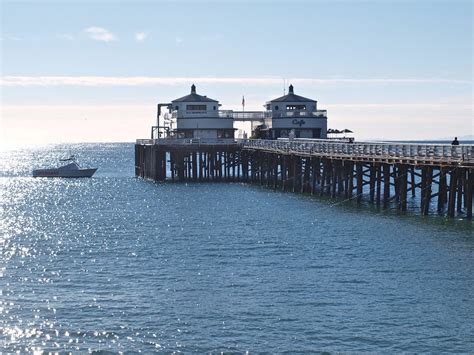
[93, 71]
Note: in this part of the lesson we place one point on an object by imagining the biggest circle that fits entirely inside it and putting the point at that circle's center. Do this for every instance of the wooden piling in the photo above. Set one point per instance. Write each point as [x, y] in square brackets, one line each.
[427, 189]
[469, 192]
[442, 189]
[403, 181]
[372, 180]
[334, 176]
[453, 180]
[412, 181]
[359, 181]
[460, 190]
[386, 185]
[378, 184]
[323, 176]
[350, 176]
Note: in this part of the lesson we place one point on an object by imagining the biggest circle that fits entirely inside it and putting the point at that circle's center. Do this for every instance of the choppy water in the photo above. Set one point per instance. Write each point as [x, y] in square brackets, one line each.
[121, 264]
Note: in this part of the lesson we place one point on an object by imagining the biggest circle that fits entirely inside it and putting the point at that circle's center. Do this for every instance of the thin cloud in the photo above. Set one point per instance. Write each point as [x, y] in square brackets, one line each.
[179, 40]
[65, 36]
[100, 34]
[9, 37]
[171, 81]
[141, 36]
[82, 107]
[211, 37]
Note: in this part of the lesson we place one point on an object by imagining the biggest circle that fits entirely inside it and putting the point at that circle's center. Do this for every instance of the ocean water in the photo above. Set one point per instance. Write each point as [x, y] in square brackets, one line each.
[116, 263]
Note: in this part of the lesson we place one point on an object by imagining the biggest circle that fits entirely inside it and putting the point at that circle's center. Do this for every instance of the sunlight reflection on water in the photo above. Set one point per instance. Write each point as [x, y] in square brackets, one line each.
[119, 263]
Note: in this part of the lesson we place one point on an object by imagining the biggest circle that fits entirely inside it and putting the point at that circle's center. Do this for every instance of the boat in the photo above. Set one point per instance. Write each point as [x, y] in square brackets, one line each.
[70, 170]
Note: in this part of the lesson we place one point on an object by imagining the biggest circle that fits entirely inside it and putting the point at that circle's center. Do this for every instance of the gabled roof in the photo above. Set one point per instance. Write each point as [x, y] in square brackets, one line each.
[291, 97]
[193, 97]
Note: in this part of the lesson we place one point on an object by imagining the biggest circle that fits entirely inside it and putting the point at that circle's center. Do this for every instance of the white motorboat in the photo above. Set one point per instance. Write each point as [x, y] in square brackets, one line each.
[70, 170]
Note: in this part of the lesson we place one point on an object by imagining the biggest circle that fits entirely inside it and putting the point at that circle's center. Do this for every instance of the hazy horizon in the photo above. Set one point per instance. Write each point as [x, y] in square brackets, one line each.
[89, 72]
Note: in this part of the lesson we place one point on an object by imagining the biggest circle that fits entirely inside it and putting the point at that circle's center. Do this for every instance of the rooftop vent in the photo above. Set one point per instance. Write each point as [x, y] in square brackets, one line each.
[193, 89]
[290, 89]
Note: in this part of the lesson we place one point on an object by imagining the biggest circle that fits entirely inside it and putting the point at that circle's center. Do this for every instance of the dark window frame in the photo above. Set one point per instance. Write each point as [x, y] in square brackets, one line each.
[296, 107]
[196, 108]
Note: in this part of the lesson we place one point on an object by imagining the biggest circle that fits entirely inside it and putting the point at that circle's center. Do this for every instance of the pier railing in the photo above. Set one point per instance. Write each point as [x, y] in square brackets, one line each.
[404, 152]
[186, 141]
[261, 115]
[244, 115]
[436, 153]
[293, 114]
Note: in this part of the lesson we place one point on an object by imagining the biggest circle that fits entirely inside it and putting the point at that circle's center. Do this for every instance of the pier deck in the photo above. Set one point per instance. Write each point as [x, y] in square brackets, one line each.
[382, 152]
[388, 173]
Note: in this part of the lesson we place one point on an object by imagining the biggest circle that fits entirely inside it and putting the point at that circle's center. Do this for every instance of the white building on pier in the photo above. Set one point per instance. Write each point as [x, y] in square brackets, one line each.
[298, 113]
[197, 116]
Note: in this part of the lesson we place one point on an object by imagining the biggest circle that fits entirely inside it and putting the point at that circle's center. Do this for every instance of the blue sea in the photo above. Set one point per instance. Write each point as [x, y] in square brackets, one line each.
[115, 263]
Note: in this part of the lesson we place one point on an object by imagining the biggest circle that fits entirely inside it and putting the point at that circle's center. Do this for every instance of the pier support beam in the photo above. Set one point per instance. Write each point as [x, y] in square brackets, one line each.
[453, 181]
[359, 181]
[386, 185]
[469, 192]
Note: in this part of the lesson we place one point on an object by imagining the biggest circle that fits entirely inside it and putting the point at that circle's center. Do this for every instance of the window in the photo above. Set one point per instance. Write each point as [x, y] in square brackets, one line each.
[296, 107]
[176, 108]
[215, 108]
[276, 108]
[188, 134]
[195, 107]
[225, 133]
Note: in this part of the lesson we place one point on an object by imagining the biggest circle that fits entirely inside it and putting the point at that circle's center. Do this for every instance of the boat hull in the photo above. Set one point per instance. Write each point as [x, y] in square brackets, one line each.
[79, 173]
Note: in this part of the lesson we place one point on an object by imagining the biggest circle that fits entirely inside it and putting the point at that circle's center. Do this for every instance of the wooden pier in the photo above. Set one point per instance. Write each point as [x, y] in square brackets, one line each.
[390, 175]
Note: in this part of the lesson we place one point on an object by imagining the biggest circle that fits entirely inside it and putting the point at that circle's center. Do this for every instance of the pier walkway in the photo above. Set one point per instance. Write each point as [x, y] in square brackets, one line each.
[384, 152]
[389, 174]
